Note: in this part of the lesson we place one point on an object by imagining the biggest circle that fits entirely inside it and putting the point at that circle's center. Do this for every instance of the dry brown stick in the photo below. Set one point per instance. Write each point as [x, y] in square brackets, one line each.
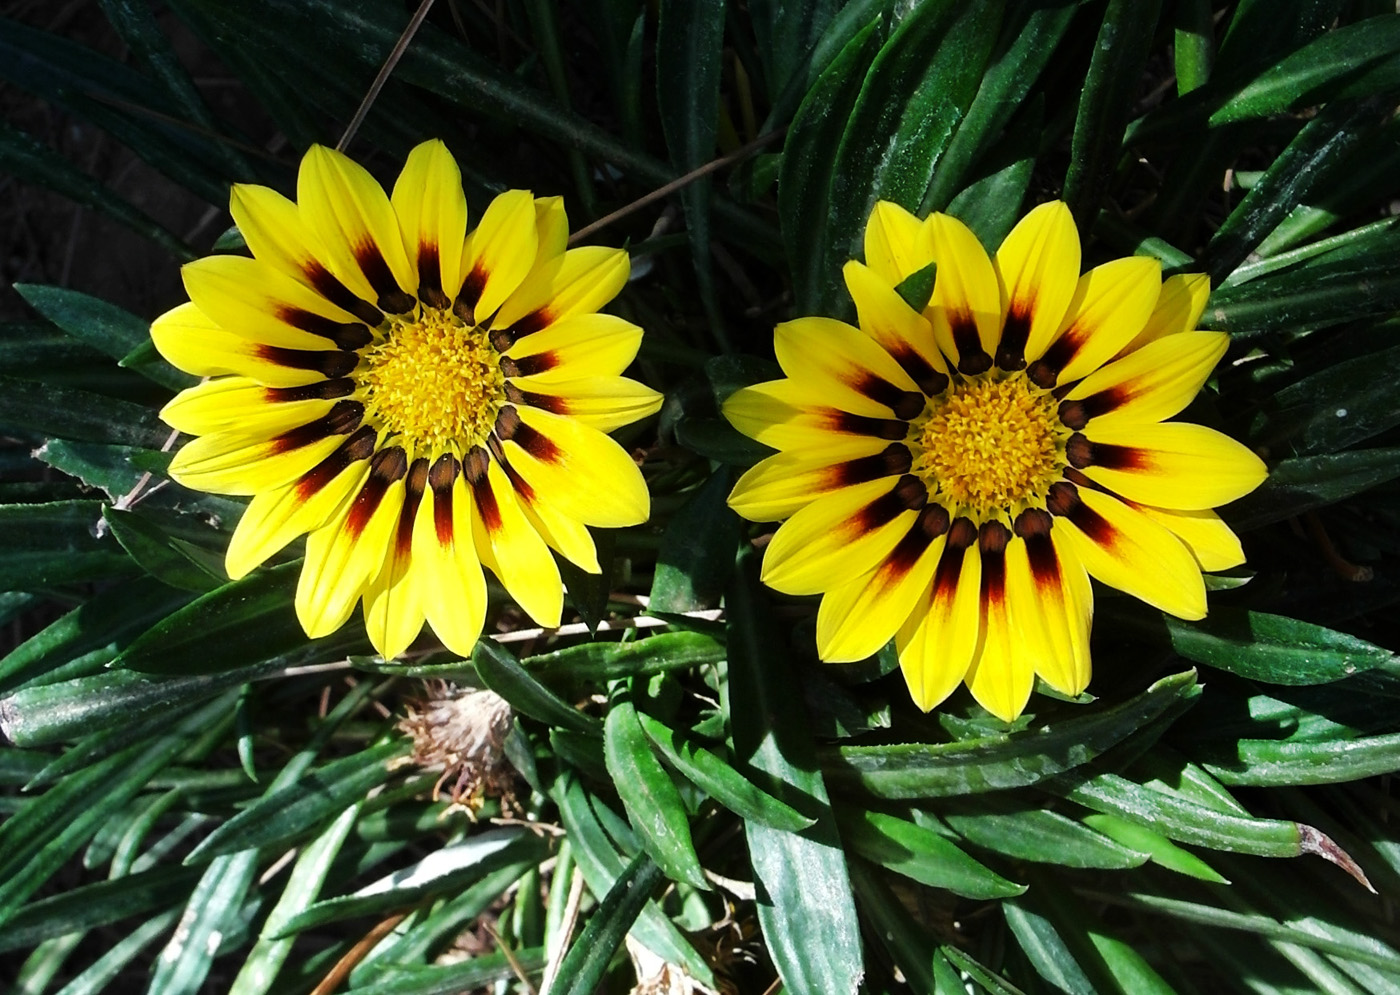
[676, 184]
[400, 47]
[355, 954]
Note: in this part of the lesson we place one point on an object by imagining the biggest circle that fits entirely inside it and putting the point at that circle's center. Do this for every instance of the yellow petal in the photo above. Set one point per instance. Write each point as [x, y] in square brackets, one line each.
[1210, 540]
[1179, 308]
[1111, 304]
[273, 229]
[1050, 603]
[778, 486]
[785, 415]
[859, 616]
[578, 282]
[940, 638]
[190, 340]
[233, 463]
[966, 305]
[257, 301]
[393, 601]
[900, 330]
[451, 583]
[578, 470]
[1150, 383]
[1038, 264]
[601, 402]
[895, 243]
[551, 229]
[841, 536]
[276, 517]
[499, 253]
[514, 551]
[432, 213]
[585, 345]
[237, 403]
[352, 218]
[568, 537]
[1002, 674]
[1172, 464]
[1125, 549]
[845, 367]
[344, 556]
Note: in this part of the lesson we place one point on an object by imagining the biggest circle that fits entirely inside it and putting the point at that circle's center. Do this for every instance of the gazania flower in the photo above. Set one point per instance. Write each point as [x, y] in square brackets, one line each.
[417, 399]
[952, 478]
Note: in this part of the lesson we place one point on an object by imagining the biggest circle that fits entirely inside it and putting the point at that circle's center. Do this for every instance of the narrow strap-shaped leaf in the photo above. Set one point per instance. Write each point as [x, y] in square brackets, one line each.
[1298, 485]
[921, 854]
[587, 960]
[98, 976]
[1028, 832]
[805, 907]
[100, 904]
[653, 805]
[1046, 949]
[69, 413]
[697, 551]
[501, 672]
[601, 661]
[908, 944]
[213, 910]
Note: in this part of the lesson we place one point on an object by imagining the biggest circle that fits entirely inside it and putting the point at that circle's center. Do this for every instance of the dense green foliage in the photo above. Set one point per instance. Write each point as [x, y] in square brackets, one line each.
[195, 793]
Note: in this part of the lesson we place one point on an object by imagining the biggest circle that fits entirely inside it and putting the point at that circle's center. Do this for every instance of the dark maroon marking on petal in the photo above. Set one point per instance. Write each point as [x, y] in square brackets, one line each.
[992, 538]
[1062, 499]
[522, 487]
[1042, 374]
[1080, 451]
[932, 521]
[1073, 414]
[1112, 457]
[881, 428]
[920, 370]
[994, 574]
[972, 358]
[414, 486]
[894, 460]
[528, 366]
[1045, 564]
[376, 270]
[912, 492]
[537, 444]
[545, 402]
[1033, 523]
[385, 467]
[905, 554]
[340, 295]
[1011, 352]
[468, 297]
[962, 533]
[1078, 479]
[533, 322]
[345, 334]
[501, 339]
[1105, 401]
[441, 478]
[1045, 371]
[430, 276]
[486, 504]
[359, 446]
[1094, 525]
[883, 509]
[342, 419]
[904, 403]
[507, 422]
[497, 447]
[330, 363]
[949, 570]
[325, 390]
[476, 465]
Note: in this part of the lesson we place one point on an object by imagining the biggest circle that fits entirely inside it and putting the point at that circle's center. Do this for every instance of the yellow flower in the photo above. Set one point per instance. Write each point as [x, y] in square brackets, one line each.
[419, 400]
[952, 478]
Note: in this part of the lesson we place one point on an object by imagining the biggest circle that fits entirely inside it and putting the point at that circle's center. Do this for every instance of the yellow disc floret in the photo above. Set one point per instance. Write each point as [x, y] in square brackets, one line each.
[989, 444]
[434, 383]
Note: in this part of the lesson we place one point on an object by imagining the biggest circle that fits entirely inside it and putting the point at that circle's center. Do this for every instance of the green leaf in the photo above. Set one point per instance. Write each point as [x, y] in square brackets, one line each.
[1110, 88]
[476, 973]
[602, 866]
[1273, 648]
[306, 804]
[46, 545]
[600, 662]
[1331, 409]
[1162, 851]
[1193, 44]
[89, 906]
[1299, 485]
[718, 779]
[805, 906]
[48, 409]
[716, 439]
[214, 910]
[170, 559]
[501, 672]
[921, 854]
[102, 972]
[1268, 762]
[921, 770]
[789, 33]
[1026, 831]
[909, 946]
[242, 622]
[103, 326]
[697, 550]
[586, 962]
[1046, 949]
[653, 805]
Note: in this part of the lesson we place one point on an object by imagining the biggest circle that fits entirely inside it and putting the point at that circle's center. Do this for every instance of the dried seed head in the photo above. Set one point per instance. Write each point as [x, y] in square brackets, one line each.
[462, 733]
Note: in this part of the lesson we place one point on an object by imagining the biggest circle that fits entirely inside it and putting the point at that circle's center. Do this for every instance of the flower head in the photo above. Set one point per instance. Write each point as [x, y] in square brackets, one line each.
[953, 477]
[418, 399]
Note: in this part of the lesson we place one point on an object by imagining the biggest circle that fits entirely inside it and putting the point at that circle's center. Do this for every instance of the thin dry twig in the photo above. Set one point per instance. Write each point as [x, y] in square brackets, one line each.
[355, 954]
[677, 183]
[566, 932]
[385, 70]
[515, 965]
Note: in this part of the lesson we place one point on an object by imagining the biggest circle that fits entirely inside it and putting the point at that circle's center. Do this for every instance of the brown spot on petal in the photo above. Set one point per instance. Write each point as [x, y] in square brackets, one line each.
[528, 366]
[972, 358]
[905, 404]
[1062, 498]
[537, 444]
[325, 390]
[346, 335]
[464, 306]
[414, 486]
[330, 363]
[340, 295]
[912, 492]
[1011, 352]
[387, 466]
[1112, 457]
[545, 402]
[476, 465]
[1033, 522]
[340, 420]
[359, 446]
[532, 322]
[920, 370]
[880, 428]
[441, 477]
[1079, 451]
[993, 537]
[392, 297]
[507, 422]
[430, 276]
[894, 460]
[933, 521]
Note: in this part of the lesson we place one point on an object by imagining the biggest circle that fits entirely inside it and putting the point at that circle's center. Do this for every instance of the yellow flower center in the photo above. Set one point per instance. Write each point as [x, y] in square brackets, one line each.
[434, 383]
[990, 444]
